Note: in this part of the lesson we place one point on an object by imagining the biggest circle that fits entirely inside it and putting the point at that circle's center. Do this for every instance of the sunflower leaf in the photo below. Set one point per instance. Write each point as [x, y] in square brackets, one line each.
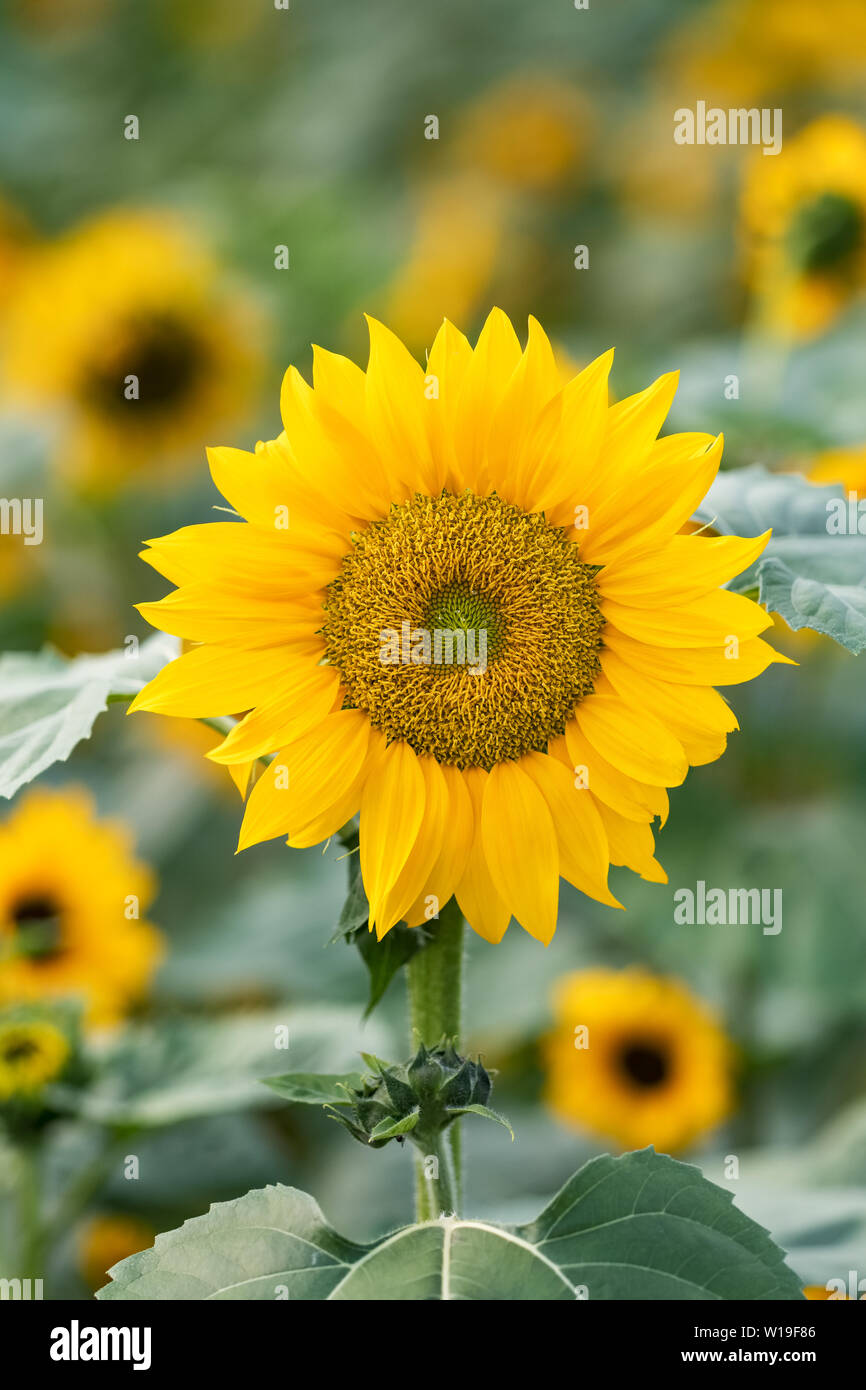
[392, 1129]
[813, 571]
[484, 1111]
[642, 1226]
[49, 703]
[314, 1088]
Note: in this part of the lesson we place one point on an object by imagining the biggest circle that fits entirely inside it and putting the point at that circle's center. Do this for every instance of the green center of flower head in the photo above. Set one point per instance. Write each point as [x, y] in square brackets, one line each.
[17, 1049]
[38, 922]
[457, 609]
[466, 627]
[825, 233]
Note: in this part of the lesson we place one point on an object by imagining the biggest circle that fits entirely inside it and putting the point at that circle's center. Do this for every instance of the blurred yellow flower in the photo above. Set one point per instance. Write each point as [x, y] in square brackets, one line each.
[126, 323]
[71, 899]
[459, 229]
[530, 133]
[804, 222]
[845, 466]
[636, 1058]
[108, 1238]
[32, 1053]
[744, 50]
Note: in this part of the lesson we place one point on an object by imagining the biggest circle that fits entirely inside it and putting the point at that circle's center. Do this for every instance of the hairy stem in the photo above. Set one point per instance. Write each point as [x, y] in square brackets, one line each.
[435, 994]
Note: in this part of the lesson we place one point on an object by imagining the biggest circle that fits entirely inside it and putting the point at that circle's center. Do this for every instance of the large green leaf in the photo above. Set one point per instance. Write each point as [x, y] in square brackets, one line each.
[49, 703]
[642, 1226]
[809, 575]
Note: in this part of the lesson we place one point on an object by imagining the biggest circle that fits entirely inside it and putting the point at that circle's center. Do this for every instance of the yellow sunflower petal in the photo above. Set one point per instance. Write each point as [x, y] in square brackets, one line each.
[299, 699]
[520, 848]
[477, 893]
[457, 837]
[632, 740]
[496, 356]
[425, 851]
[397, 412]
[583, 852]
[728, 663]
[209, 682]
[392, 809]
[686, 568]
[632, 844]
[306, 778]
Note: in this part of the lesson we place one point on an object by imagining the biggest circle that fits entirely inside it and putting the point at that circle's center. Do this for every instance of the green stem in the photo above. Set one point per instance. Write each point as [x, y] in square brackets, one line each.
[435, 995]
[30, 1234]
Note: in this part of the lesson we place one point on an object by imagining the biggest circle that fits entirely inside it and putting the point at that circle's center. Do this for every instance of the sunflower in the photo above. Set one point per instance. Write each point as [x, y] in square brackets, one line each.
[487, 506]
[804, 218]
[636, 1058]
[33, 1052]
[70, 898]
[124, 322]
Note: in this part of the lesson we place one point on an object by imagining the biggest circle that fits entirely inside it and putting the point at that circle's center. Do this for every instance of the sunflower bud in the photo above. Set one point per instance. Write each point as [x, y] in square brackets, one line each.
[416, 1099]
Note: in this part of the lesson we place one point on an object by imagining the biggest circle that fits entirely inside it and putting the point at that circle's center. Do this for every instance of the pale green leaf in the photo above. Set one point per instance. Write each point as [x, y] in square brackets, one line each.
[813, 571]
[49, 703]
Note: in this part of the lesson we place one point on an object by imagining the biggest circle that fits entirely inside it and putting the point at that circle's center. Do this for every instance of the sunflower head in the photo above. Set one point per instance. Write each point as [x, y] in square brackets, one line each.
[458, 601]
[34, 1050]
[125, 323]
[636, 1058]
[72, 908]
[805, 224]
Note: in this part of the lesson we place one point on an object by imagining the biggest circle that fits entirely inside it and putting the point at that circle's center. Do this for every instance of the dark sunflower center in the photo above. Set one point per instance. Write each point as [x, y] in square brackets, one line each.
[825, 233]
[466, 627]
[162, 354]
[646, 1064]
[38, 922]
[19, 1050]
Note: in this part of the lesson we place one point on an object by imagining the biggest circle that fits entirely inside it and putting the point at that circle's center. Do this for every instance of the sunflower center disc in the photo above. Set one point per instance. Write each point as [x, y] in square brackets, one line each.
[164, 357]
[645, 1064]
[825, 233]
[38, 923]
[465, 626]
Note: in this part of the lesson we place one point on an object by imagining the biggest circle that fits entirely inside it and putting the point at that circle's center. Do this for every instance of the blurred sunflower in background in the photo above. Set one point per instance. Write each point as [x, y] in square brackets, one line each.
[636, 1058]
[71, 899]
[33, 1052]
[845, 466]
[804, 224]
[748, 50]
[107, 1238]
[125, 323]
[529, 133]
[501, 502]
[459, 228]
